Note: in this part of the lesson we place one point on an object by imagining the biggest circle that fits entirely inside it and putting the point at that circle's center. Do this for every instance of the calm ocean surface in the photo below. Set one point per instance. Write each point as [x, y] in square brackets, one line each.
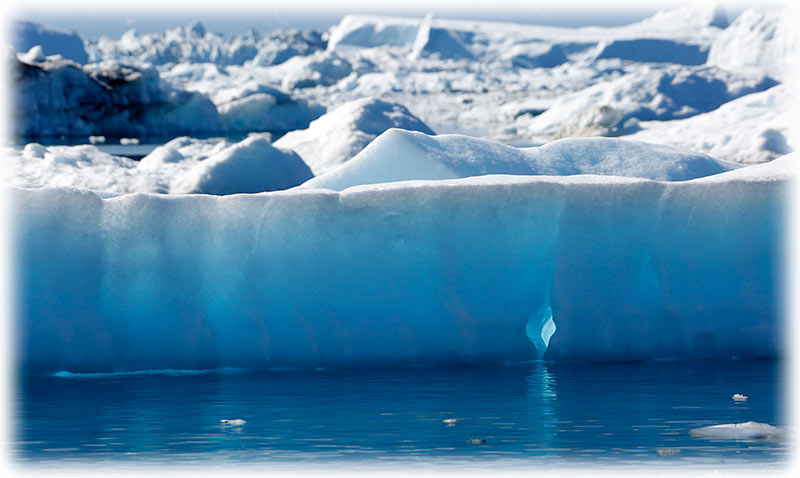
[529, 415]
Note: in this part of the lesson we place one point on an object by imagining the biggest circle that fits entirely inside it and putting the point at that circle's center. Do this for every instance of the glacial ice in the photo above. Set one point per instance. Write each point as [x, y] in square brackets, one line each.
[399, 155]
[455, 271]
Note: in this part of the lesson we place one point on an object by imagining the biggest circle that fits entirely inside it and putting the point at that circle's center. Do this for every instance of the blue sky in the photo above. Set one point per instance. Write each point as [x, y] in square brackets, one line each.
[91, 23]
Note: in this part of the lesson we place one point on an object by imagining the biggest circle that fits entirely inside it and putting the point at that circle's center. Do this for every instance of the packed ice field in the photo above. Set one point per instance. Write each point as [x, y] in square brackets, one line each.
[537, 192]
[689, 78]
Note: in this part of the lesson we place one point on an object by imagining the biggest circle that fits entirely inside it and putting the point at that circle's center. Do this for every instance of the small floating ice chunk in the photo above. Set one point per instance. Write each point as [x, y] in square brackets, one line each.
[738, 397]
[476, 441]
[235, 422]
[450, 421]
[129, 141]
[667, 451]
[738, 431]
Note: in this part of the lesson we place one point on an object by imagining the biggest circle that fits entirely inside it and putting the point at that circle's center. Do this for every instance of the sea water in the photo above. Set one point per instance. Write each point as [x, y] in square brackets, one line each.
[535, 414]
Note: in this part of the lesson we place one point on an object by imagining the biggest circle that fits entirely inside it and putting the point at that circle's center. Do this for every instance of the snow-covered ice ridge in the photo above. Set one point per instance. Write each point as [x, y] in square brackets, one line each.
[186, 165]
[214, 166]
[454, 271]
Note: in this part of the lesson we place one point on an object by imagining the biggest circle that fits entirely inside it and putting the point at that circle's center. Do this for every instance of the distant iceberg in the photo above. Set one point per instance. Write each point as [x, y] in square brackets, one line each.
[193, 43]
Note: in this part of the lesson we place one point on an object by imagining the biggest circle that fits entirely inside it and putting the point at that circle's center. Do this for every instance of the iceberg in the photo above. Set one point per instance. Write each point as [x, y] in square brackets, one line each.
[486, 269]
[58, 97]
[363, 238]
[688, 28]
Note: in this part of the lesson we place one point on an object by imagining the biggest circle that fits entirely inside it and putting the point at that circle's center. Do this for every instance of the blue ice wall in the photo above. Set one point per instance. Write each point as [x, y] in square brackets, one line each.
[457, 271]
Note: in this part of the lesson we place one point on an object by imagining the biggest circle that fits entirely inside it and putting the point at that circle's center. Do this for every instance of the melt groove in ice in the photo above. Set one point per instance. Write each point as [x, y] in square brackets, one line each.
[454, 271]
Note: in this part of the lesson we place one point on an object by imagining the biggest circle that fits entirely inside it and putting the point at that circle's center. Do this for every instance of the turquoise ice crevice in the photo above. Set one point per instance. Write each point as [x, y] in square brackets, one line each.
[540, 328]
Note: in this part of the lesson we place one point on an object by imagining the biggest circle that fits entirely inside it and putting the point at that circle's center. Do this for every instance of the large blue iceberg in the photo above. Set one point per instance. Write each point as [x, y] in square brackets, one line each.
[483, 269]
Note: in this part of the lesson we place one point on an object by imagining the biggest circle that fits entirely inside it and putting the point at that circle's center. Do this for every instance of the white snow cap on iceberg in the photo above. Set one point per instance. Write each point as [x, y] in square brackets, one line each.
[322, 68]
[701, 14]
[754, 128]
[252, 165]
[256, 107]
[399, 155]
[335, 137]
[34, 55]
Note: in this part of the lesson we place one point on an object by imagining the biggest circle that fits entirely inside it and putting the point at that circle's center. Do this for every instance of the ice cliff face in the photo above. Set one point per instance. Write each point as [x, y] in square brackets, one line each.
[58, 97]
[461, 271]
[63, 98]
